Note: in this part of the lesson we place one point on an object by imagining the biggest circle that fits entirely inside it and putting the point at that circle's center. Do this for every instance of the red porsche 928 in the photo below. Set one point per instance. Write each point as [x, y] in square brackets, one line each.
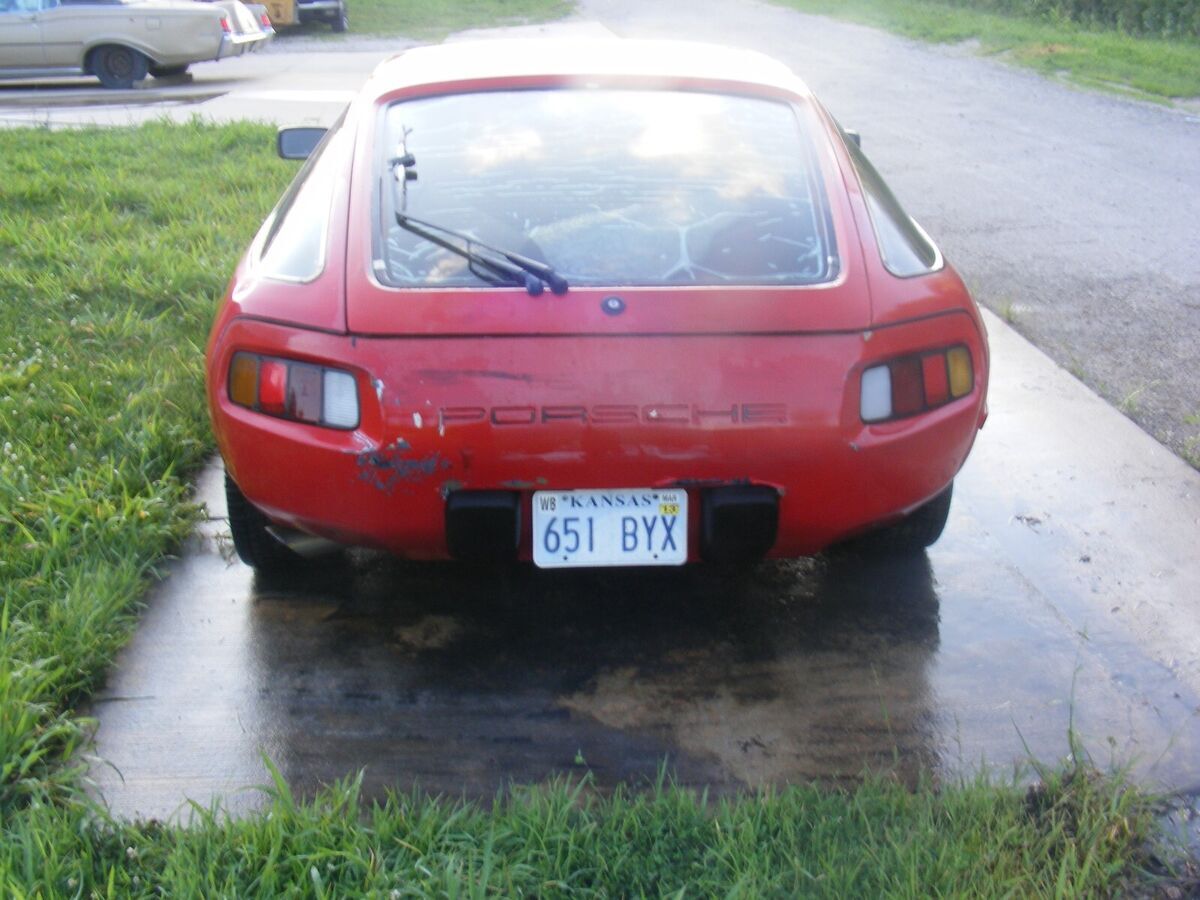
[590, 303]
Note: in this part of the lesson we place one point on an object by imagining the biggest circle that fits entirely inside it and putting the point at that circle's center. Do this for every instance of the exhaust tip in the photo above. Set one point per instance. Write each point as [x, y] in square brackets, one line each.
[738, 523]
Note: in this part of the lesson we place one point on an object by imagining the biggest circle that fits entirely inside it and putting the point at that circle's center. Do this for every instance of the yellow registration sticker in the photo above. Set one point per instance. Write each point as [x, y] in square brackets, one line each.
[668, 509]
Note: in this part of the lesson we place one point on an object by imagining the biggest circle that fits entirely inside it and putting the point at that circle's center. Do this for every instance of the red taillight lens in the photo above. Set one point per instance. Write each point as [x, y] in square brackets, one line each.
[225, 25]
[294, 390]
[913, 384]
[937, 384]
[265, 21]
[272, 386]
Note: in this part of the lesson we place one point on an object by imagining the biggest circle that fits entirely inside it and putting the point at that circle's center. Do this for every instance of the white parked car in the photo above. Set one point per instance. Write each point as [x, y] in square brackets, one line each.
[122, 41]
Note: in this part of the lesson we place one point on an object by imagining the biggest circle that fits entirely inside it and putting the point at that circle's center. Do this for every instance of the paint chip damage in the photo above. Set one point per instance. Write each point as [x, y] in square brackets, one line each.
[388, 466]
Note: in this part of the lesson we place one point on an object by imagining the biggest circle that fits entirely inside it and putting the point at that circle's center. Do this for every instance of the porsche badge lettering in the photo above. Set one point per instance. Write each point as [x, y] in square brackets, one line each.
[692, 414]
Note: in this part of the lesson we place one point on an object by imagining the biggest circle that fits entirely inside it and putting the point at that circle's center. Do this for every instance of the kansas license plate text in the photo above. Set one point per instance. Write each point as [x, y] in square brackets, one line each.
[618, 527]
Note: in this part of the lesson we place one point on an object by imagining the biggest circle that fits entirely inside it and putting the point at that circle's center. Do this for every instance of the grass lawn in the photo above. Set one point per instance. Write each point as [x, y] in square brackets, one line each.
[434, 19]
[1149, 67]
[114, 245]
[1075, 838]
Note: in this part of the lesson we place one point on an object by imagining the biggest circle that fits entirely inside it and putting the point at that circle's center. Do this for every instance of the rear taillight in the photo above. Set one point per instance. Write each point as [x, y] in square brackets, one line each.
[913, 384]
[294, 390]
[225, 25]
[265, 21]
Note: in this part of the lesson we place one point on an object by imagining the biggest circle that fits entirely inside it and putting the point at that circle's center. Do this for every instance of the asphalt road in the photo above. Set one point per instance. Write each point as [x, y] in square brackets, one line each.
[1068, 584]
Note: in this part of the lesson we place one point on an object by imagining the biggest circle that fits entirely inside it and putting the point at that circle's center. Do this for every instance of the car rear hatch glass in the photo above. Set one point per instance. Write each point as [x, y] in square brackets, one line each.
[716, 200]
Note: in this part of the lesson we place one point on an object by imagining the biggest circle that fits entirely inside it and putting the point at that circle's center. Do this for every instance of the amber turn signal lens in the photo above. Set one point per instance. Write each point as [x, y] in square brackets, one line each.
[243, 379]
[962, 377]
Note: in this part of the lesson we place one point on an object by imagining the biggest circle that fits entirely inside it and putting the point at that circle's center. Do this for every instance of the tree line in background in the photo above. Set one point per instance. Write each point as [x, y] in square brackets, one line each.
[1161, 18]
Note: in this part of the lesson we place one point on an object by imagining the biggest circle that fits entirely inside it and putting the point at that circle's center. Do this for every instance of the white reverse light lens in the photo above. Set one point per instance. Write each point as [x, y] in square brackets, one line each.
[876, 404]
[340, 400]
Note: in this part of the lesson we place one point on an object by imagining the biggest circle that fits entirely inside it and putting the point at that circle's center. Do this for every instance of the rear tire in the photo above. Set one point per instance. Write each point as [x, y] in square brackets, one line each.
[254, 544]
[912, 534]
[342, 21]
[118, 67]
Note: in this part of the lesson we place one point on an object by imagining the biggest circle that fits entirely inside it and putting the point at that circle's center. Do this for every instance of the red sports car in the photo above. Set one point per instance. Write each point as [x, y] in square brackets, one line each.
[606, 303]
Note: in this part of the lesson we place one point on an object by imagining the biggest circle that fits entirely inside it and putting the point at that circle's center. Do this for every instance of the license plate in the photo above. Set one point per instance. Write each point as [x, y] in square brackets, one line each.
[621, 527]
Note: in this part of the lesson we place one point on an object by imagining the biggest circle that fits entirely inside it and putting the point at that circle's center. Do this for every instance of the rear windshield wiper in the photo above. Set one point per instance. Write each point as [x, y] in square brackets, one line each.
[503, 265]
[496, 265]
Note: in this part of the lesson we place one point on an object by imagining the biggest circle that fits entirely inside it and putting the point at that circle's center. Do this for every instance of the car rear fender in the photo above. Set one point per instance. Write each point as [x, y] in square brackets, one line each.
[317, 302]
[895, 300]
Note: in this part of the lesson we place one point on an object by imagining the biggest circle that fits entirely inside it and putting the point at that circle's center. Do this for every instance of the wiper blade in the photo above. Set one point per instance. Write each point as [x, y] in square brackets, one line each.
[499, 270]
[516, 268]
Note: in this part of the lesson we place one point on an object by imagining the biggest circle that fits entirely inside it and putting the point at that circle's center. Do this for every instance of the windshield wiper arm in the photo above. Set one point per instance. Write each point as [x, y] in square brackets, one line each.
[513, 266]
[501, 270]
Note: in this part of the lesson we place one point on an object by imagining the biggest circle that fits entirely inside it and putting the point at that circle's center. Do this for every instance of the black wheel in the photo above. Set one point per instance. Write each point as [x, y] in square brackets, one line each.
[119, 67]
[167, 71]
[254, 544]
[912, 534]
[342, 21]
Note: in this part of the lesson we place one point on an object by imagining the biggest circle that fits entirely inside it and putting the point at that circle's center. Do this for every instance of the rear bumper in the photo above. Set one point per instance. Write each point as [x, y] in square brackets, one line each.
[520, 414]
[239, 44]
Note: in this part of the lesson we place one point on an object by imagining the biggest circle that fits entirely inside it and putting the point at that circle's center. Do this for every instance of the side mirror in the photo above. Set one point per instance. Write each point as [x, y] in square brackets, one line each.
[298, 143]
[854, 137]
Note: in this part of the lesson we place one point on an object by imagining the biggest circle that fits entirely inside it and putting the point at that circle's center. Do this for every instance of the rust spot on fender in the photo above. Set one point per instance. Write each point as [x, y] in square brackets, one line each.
[389, 466]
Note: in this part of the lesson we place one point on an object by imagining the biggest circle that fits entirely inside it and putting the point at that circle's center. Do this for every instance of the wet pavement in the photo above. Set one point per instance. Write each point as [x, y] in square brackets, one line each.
[1064, 594]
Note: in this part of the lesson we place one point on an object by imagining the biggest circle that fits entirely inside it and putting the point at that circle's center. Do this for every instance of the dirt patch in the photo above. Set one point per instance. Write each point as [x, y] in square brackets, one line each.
[430, 633]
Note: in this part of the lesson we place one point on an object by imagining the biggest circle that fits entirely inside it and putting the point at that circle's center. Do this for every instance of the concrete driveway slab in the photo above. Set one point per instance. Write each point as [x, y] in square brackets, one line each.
[1064, 594]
